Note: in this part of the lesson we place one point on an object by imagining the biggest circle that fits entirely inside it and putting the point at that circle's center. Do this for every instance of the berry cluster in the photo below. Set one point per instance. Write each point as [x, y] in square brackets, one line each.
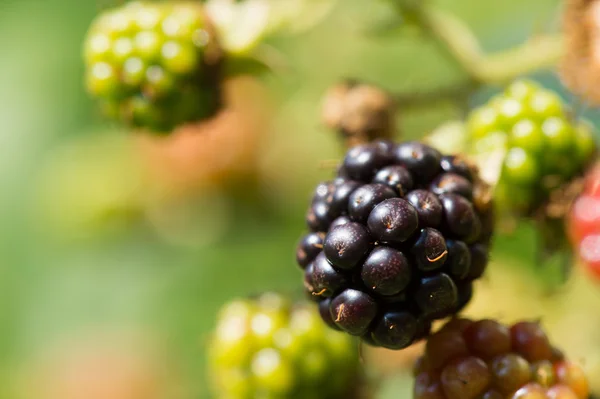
[487, 360]
[543, 149]
[154, 65]
[269, 348]
[584, 226]
[396, 241]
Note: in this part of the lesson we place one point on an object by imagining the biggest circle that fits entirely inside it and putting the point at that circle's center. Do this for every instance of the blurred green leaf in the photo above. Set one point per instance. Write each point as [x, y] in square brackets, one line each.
[243, 25]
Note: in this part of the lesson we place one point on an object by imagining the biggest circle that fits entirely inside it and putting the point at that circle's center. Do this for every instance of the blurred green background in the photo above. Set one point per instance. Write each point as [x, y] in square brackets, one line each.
[57, 287]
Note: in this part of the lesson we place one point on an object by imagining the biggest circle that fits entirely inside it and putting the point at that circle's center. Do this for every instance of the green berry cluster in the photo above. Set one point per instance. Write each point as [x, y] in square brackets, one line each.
[542, 148]
[269, 348]
[153, 65]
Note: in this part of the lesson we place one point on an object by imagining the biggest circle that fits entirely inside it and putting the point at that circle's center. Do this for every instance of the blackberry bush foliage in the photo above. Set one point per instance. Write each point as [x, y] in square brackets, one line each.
[270, 348]
[539, 148]
[485, 359]
[396, 241]
[154, 65]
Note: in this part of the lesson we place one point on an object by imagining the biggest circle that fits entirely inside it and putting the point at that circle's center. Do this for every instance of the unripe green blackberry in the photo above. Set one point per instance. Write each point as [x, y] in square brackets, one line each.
[154, 65]
[540, 147]
[268, 347]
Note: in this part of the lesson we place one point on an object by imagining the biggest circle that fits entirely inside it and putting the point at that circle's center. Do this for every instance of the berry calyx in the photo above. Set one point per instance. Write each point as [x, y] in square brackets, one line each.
[359, 112]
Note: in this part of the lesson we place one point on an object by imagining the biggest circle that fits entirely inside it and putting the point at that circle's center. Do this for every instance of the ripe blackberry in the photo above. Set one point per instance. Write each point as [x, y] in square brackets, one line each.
[485, 359]
[540, 147]
[359, 112]
[154, 65]
[404, 232]
[267, 347]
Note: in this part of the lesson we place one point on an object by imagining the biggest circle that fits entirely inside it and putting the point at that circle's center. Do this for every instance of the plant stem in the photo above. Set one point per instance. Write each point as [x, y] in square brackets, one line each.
[537, 53]
[460, 45]
[455, 91]
[453, 37]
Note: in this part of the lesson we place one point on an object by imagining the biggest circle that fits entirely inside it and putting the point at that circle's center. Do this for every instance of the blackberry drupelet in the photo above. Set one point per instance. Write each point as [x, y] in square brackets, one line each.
[396, 240]
[540, 147]
[268, 347]
[485, 359]
[154, 65]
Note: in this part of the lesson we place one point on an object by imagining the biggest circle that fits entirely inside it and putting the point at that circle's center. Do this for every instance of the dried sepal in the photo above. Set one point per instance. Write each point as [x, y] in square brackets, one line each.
[580, 70]
[359, 112]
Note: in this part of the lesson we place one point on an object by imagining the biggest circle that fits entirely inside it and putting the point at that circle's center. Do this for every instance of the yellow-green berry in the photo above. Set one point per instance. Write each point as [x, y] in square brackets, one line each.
[543, 147]
[269, 347]
[149, 57]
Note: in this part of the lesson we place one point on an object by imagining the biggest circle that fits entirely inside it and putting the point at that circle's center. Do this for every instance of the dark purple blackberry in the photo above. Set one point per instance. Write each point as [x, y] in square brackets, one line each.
[421, 160]
[479, 261]
[428, 207]
[364, 199]
[386, 149]
[395, 330]
[395, 177]
[308, 248]
[324, 306]
[326, 280]
[347, 245]
[451, 183]
[368, 339]
[458, 263]
[437, 295]
[319, 216]
[339, 196]
[322, 191]
[395, 300]
[423, 329]
[397, 239]
[465, 293]
[429, 251]
[386, 271]
[308, 282]
[394, 220]
[488, 219]
[456, 164]
[363, 161]
[353, 311]
[340, 221]
[460, 218]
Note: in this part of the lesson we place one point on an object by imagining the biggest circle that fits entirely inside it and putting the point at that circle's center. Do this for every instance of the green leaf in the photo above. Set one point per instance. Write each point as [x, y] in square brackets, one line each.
[241, 25]
[297, 16]
[250, 65]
